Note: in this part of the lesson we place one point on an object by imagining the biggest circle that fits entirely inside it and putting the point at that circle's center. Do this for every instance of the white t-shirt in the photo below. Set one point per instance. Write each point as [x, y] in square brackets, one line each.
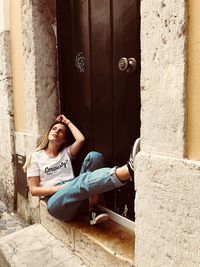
[51, 170]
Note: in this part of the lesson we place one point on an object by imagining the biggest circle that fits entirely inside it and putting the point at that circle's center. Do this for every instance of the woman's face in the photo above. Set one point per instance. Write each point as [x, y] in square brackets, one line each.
[57, 134]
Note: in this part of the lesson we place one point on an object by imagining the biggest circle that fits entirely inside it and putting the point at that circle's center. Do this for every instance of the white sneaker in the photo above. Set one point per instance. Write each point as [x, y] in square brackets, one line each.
[130, 163]
[97, 216]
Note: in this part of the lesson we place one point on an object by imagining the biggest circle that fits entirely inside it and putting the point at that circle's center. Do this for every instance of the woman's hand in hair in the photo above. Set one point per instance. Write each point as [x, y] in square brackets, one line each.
[62, 118]
[78, 136]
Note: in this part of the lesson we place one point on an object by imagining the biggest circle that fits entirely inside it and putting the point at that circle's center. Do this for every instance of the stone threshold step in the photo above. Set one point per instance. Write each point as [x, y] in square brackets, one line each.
[108, 244]
[35, 246]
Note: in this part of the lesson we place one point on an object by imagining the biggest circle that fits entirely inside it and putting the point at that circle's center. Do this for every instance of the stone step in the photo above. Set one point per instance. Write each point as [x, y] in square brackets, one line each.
[108, 244]
[35, 246]
[10, 222]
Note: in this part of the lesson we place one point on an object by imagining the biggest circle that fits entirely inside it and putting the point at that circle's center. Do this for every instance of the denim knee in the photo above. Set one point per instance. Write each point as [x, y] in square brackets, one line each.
[95, 160]
[94, 155]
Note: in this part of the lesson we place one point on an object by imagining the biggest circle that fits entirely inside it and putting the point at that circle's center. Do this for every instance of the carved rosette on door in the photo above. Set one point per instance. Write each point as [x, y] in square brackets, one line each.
[80, 62]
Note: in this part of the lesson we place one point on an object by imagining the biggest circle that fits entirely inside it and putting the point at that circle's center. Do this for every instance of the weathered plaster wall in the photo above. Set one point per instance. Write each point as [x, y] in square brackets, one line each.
[6, 123]
[4, 18]
[40, 84]
[193, 81]
[163, 25]
[40, 64]
[17, 64]
[167, 208]
[167, 199]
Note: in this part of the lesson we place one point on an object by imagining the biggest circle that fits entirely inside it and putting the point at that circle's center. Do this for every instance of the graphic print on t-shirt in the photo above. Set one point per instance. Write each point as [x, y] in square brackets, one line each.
[54, 169]
[51, 171]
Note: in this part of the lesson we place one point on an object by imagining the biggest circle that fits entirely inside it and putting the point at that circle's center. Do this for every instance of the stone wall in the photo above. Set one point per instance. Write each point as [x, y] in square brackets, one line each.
[167, 184]
[40, 64]
[41, 83]
[163, 52]
[167, 208]
[7, 170]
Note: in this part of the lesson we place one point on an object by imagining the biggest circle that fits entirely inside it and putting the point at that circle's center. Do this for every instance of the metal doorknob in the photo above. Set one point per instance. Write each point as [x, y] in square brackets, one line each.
[128, 65]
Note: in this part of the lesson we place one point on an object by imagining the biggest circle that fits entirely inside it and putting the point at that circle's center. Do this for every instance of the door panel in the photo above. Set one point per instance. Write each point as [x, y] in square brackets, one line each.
[80, 93]
[101, 81]
[103, 101]
[126, 95]
[74, 69]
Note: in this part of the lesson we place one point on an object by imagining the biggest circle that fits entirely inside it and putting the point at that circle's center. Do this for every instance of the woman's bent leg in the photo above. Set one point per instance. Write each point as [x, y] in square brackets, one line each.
[93, 161]
[65, 203]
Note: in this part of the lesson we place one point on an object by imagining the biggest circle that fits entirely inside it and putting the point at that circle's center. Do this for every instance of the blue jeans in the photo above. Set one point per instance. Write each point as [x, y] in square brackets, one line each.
[72, 199]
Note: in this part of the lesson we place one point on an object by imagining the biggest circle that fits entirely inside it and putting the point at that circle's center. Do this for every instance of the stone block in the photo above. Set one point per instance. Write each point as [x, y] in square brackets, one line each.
[62, 231]
[167, 207]
[107, 244]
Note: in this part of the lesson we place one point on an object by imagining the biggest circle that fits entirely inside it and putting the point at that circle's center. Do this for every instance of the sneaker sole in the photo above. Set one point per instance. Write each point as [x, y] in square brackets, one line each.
[99, 219]
[136, 149]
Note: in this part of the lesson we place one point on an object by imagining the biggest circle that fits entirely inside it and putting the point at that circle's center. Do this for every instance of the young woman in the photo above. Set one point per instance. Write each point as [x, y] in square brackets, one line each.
[50, 174]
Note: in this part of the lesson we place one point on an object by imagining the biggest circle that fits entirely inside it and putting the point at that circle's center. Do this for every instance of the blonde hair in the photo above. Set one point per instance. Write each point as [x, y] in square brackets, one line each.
[43, 144]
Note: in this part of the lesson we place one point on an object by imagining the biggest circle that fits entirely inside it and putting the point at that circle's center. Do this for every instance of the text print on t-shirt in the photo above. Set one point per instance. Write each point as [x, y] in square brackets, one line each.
[55, 169]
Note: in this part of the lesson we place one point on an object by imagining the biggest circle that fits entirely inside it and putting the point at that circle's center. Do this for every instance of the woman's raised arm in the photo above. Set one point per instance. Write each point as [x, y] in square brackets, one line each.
[78, 136]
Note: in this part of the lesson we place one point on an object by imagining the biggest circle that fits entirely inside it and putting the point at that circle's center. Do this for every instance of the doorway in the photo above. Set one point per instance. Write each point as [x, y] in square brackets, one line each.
[99, 76]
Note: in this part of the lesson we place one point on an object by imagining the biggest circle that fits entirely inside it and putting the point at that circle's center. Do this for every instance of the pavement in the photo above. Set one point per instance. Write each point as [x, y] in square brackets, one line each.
[27, 245]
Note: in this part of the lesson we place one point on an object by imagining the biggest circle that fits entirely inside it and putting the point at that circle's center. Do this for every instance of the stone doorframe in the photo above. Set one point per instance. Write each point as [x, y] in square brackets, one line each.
[167, 183]
[7, 170]
[40, 64]
[40, 83]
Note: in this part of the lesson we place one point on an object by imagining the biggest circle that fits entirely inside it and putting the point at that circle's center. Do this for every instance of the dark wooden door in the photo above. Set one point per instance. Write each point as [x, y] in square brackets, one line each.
[103, 101]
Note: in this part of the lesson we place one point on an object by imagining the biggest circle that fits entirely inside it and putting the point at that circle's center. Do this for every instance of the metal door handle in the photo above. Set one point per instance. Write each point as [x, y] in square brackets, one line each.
[128, 65]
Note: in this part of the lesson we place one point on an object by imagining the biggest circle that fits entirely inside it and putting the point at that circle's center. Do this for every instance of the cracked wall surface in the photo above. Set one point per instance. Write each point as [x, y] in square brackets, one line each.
[40, 83]
[40, 64]
[167, 208]
[167, 184]
[163, 64]
[7, 171]
[40, 88]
